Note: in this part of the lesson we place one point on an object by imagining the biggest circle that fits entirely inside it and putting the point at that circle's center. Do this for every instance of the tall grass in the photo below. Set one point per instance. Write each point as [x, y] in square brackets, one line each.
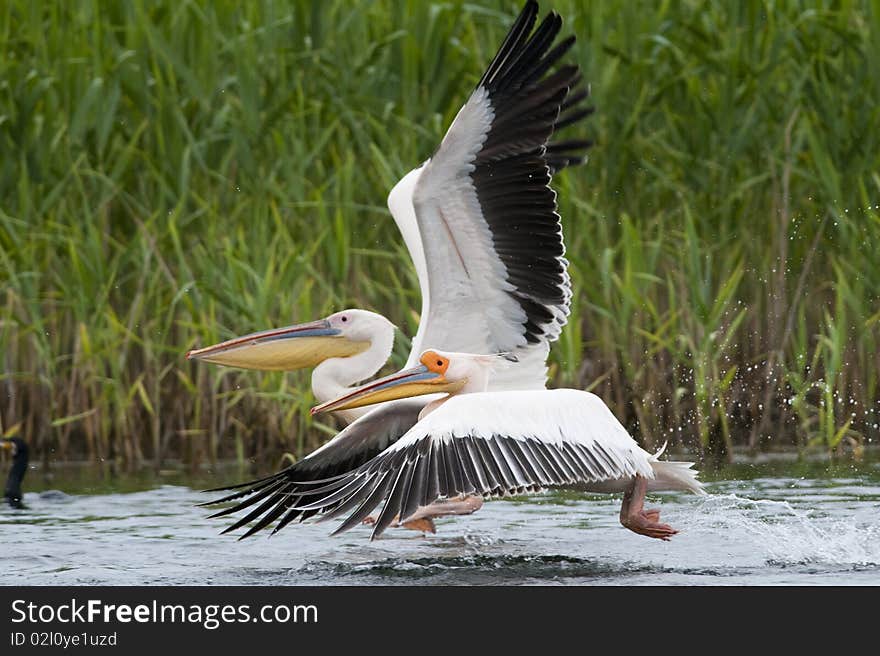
[173, 174]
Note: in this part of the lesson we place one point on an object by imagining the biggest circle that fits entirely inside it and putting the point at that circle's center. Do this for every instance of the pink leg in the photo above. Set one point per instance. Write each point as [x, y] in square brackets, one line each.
[425, 525]
[459, 506]
[636, 519]
[423, 518]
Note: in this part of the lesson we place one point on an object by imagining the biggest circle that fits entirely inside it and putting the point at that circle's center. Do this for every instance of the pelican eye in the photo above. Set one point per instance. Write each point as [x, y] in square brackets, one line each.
[345, 318]
[434, 362]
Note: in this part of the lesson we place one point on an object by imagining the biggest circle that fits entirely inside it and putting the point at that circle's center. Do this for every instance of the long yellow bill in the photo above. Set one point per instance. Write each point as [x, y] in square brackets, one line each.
[416, 381]
[282, 349]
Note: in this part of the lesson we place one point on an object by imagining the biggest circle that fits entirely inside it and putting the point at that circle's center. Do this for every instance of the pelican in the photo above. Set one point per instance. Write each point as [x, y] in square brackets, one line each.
[471, 442]
[343, 349]
[480, 221]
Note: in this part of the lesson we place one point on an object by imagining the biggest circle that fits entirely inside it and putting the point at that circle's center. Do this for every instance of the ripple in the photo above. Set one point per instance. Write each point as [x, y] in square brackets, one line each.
[479, 568]
[769, 531]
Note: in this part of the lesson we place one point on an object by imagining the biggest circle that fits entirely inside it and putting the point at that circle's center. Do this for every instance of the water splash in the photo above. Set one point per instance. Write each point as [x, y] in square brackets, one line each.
[776, 531]
[784, 534]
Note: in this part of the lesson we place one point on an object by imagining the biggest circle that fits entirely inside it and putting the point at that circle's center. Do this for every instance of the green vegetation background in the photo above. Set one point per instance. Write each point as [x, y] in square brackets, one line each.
[173, 174]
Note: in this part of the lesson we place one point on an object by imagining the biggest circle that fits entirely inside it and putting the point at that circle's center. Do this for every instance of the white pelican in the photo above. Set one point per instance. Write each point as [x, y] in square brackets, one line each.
[345, 348]
[479, 219]
[473, 442]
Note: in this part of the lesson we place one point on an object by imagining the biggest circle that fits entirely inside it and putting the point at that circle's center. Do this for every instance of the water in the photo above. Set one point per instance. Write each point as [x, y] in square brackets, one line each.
[760, 525]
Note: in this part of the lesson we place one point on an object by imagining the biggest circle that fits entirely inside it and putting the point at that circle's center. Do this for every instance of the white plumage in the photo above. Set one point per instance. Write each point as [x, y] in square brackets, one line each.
[480, 222]
[490, 444]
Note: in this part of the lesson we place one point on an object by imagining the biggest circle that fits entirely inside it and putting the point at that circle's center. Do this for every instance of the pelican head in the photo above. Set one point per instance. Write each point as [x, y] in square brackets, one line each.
[341, 335]
[437, 371]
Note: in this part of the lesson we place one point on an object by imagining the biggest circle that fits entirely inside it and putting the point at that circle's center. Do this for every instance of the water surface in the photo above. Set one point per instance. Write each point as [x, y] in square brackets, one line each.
[778, 523]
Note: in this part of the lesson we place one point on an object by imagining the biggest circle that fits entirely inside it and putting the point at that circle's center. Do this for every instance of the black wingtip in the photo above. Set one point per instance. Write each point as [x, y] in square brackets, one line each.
[238, 486]
[342, 528]
[206, 504]
[377, 531]
[249, 533]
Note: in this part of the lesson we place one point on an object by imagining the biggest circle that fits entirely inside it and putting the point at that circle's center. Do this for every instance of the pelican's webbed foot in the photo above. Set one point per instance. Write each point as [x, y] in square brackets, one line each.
[638, 520]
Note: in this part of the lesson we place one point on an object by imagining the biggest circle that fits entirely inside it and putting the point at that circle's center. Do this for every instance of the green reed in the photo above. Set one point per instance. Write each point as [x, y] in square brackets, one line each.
[174, 174]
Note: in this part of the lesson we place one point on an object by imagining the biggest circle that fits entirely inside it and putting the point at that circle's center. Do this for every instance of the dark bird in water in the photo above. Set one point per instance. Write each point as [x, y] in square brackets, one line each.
[19, 467]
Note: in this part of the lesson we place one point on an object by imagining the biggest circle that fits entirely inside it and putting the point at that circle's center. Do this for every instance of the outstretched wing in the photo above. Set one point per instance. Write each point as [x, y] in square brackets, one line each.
[282, 495]
[479, 217]
[480, 222]
[488, 444]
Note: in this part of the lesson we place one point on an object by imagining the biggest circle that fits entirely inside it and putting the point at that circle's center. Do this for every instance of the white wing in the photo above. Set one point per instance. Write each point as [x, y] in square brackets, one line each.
[496, 444]
[479, 218]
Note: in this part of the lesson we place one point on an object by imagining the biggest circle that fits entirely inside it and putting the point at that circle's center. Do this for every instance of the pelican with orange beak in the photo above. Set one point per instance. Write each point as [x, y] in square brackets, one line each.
[480, 222]
[474, 443]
